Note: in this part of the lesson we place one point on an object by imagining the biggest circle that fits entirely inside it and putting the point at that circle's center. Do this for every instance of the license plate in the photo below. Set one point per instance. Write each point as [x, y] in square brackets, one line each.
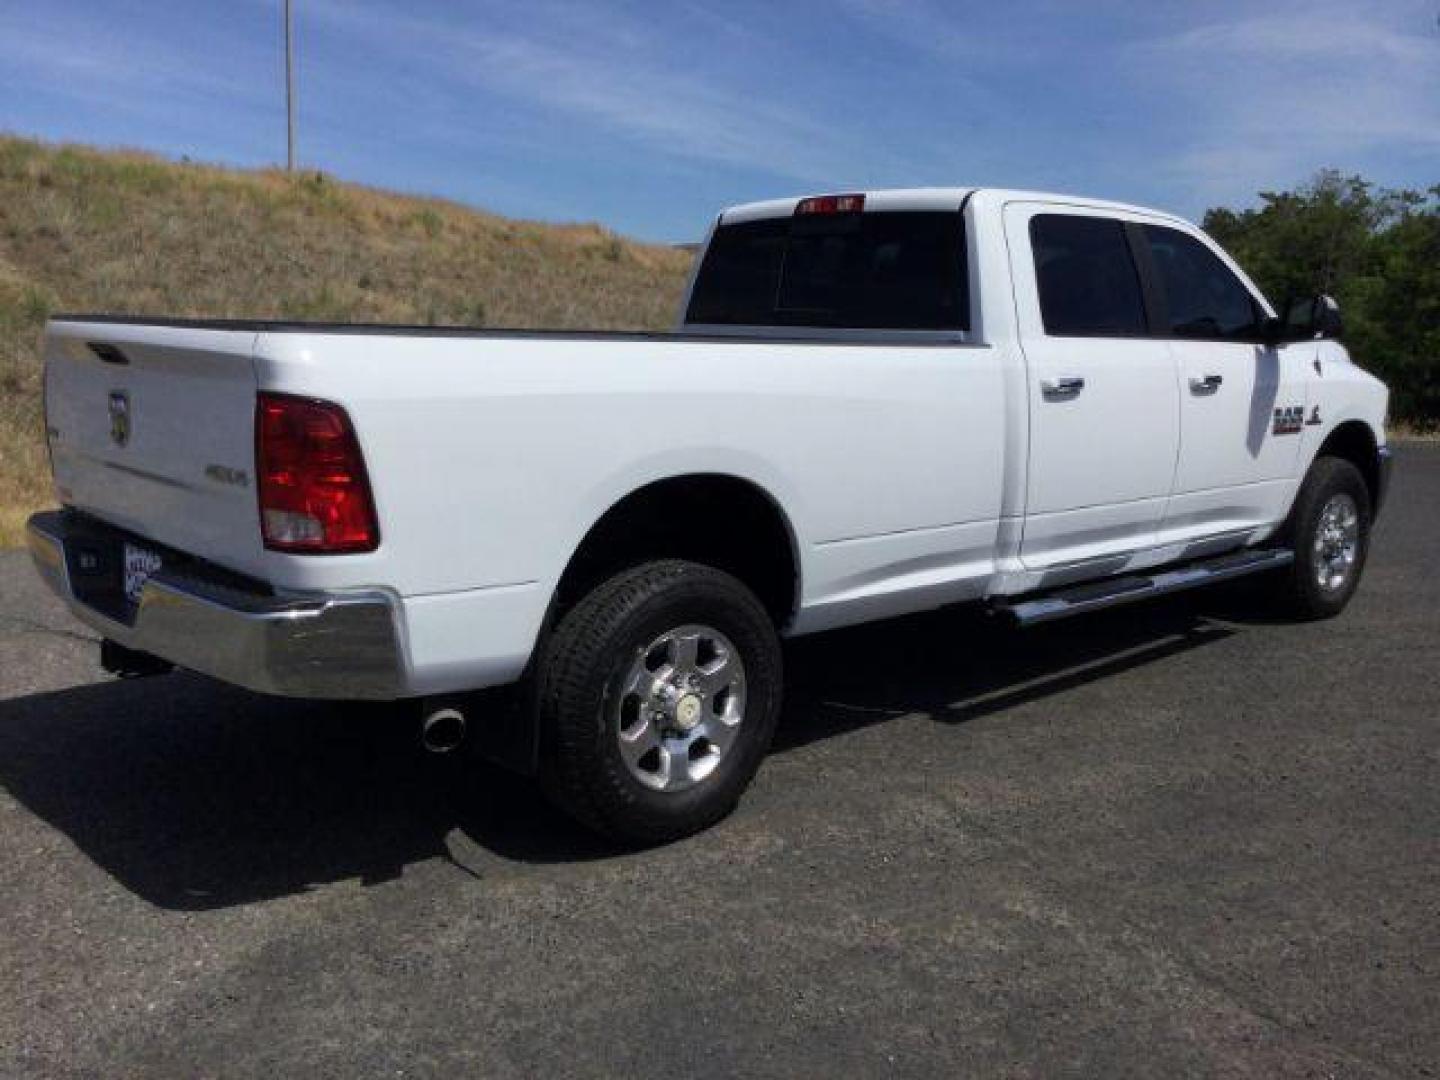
[139, 565]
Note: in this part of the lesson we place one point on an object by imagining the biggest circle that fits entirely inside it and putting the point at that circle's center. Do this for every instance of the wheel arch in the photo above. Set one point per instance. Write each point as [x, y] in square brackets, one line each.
[624, 534]
[721, 519]
[1354, 440]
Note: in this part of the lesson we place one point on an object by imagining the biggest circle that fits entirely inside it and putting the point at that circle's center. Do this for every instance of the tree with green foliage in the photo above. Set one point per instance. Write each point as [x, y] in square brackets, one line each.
[1376, 251]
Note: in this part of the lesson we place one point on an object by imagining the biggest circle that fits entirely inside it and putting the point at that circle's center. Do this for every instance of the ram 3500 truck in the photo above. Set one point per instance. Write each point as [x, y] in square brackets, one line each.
[876, 403]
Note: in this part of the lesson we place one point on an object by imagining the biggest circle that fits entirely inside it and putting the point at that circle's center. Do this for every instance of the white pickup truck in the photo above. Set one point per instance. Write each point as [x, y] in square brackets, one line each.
[875, 404]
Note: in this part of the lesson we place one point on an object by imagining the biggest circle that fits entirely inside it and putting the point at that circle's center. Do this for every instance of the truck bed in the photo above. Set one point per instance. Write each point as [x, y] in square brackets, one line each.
[492, 453]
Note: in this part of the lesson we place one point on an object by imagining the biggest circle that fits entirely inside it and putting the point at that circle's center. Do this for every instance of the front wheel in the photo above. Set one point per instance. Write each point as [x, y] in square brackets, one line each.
[657, 695]
[1330, 535]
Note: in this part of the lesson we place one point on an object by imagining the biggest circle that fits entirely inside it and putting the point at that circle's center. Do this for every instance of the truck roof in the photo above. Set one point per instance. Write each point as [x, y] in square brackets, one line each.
[930, 198]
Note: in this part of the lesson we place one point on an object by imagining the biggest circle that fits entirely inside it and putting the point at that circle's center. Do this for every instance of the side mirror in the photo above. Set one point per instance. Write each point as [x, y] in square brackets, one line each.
[1325, 321]
[1306, 319]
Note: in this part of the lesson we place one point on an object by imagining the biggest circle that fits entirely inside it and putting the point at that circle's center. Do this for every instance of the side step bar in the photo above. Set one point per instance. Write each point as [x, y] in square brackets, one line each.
[1094, 595]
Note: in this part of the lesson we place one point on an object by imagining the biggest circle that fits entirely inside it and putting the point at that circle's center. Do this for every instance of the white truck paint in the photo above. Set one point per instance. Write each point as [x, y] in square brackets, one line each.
[912, 468]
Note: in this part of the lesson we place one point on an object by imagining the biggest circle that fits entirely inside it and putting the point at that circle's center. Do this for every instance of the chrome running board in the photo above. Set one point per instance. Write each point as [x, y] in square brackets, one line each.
[1109, 592]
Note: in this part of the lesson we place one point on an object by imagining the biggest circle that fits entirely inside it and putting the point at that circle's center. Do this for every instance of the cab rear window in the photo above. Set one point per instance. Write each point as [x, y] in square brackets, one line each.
[879, 270]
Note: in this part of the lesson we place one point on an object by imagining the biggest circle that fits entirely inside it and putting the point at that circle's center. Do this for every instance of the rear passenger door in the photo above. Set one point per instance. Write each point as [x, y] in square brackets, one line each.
[1102, 393]
[1237, 463]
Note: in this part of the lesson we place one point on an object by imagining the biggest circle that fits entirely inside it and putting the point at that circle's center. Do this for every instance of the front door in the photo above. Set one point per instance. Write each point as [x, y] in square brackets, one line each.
[1102, 393]
[1242, 403]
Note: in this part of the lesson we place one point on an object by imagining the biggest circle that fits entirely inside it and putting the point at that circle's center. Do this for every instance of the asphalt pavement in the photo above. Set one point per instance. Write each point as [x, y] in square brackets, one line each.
[1177, 839]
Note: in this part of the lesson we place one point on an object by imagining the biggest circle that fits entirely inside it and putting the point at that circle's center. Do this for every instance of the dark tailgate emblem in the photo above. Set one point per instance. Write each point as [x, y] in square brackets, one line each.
[119, 417]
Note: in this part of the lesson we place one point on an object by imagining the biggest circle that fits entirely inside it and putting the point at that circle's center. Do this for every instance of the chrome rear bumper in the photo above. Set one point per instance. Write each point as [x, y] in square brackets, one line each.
[332, 645]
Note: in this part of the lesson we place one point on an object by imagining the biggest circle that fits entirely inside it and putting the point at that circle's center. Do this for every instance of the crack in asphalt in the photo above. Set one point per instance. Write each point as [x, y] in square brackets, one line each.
[13, 625]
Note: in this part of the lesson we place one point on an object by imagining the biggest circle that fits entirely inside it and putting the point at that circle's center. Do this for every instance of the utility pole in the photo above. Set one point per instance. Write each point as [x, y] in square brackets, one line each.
[289, 91]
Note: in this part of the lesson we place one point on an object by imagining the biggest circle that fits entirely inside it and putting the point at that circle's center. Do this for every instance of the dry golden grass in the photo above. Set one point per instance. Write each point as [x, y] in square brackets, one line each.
[122, 232]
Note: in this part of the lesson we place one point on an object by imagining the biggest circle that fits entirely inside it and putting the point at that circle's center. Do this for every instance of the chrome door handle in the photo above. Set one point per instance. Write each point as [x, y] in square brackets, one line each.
[1203, 384]
[1065, 386]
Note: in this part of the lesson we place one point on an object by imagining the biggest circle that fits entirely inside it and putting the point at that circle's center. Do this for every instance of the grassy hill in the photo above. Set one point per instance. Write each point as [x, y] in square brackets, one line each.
[121, 232]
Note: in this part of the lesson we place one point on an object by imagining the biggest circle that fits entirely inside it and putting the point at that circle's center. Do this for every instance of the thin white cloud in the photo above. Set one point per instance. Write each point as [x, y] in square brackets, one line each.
[921, 25]
[75, 56]
[1267, 99]
[1342, 35]
[609, 69]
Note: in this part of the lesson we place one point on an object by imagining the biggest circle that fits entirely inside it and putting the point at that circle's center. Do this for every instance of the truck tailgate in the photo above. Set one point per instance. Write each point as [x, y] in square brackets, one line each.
[151, 428]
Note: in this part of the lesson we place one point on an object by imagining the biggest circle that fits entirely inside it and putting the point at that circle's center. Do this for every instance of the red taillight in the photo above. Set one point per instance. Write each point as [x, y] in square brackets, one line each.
[830, 204]
[314, 495]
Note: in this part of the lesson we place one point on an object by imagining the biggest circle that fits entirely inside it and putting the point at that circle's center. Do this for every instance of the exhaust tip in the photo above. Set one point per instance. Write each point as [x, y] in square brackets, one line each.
[442, 730]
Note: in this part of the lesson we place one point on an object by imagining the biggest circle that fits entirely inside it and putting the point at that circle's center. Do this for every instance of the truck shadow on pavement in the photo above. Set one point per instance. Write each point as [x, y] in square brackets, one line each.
[960, 665]
[197, 796]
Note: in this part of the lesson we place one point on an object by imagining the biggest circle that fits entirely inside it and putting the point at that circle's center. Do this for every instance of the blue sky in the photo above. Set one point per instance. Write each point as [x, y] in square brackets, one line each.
[649, 116]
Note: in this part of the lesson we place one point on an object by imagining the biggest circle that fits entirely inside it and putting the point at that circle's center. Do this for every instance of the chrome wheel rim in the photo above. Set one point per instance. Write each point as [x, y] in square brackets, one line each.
[680, 707]
[1337, 542]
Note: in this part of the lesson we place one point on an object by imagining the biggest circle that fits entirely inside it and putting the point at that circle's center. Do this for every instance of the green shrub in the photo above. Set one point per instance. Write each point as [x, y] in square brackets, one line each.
[1377, 252]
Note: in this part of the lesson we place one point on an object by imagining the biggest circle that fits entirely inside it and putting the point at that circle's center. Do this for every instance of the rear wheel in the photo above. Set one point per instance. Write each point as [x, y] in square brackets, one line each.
[1330, 535]
[657, 695]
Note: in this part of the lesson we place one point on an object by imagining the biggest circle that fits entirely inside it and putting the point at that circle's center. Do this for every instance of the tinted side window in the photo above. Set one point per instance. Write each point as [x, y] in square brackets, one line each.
[1203, 298]
[883, 270]
[1088, 283]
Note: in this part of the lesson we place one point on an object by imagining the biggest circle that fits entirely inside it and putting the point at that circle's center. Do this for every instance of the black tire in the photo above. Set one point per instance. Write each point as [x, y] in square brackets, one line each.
[1298, 589]
[586, 660]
